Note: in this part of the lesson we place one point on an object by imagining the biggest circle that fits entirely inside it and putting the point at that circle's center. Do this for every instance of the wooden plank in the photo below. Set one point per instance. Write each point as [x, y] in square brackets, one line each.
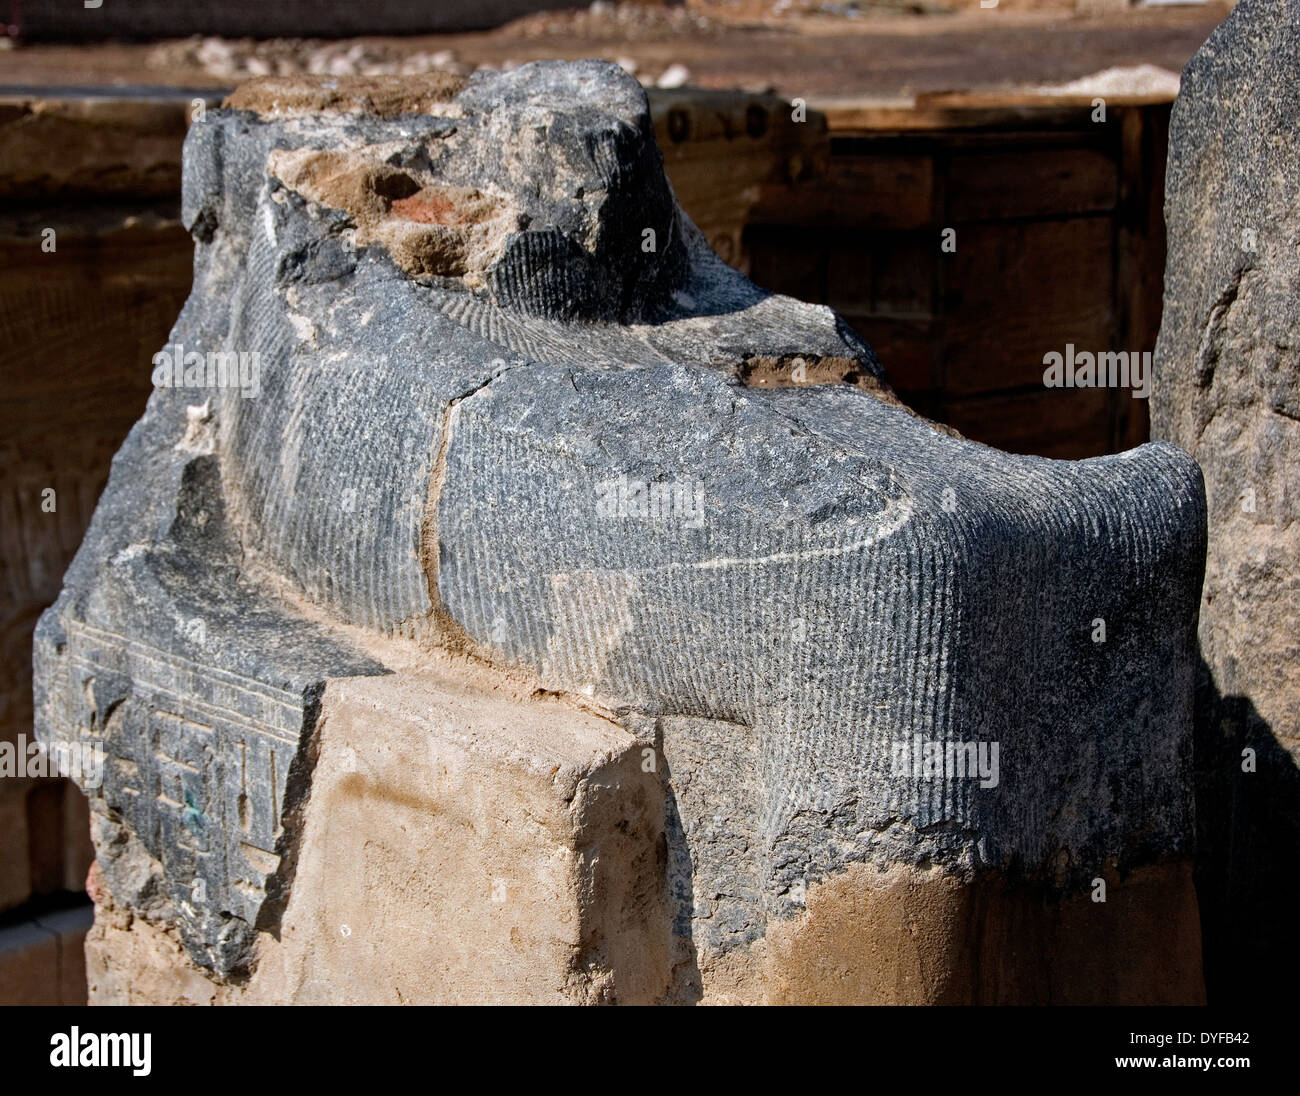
[965, 110]
[1031, 183]
[903, 274]
[906, 350]
[1064, 423]
[788, 260]
[723, 150]
[1140, 254]
[850, 288]
[692, 115]
[1017, 290]
[95, 147]
[887, 274]
[77, 377]
[858, 191]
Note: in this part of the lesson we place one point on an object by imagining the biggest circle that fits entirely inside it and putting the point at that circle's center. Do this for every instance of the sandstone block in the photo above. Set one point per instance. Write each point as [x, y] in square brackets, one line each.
[465, 843]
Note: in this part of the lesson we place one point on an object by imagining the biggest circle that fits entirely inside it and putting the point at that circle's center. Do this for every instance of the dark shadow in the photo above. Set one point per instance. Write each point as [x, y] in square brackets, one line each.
[687, 983]
[1248, 831]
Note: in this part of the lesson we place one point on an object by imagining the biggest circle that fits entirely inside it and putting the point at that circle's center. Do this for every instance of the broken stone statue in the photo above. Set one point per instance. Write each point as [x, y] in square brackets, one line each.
[501, 599]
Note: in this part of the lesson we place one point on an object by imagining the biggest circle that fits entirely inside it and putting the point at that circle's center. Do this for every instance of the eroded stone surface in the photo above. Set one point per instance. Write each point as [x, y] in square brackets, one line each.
[548, 447]
[1227, 389]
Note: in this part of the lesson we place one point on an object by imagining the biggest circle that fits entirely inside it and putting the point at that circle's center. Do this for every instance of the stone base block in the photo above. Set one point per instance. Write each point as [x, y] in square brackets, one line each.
[467, 841]
[461, 844]
[920, 937]
[42, 961]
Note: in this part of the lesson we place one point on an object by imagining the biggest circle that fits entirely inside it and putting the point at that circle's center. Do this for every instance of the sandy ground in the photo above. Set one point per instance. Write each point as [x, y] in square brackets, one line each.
[795, 53]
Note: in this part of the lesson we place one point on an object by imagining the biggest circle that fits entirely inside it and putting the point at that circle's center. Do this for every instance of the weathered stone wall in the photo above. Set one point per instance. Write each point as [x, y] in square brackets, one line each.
[1228, 391]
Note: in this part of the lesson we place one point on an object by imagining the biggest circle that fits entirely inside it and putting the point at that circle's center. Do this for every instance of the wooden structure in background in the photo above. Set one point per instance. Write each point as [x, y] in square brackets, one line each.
[94, 267]
[1059, 237]
[1058, 228]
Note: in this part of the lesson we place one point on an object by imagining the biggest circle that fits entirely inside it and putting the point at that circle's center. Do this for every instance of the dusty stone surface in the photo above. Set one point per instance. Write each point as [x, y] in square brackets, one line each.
[466, 843]
[1228, 381]
[1227, 389]
[934, 940]
[902, 936]
[287, 97]
[544, 458]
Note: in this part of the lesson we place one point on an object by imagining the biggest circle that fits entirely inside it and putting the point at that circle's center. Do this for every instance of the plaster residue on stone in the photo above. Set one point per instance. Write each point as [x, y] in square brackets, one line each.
[800, 370]
[430, 230]
[291, 96]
